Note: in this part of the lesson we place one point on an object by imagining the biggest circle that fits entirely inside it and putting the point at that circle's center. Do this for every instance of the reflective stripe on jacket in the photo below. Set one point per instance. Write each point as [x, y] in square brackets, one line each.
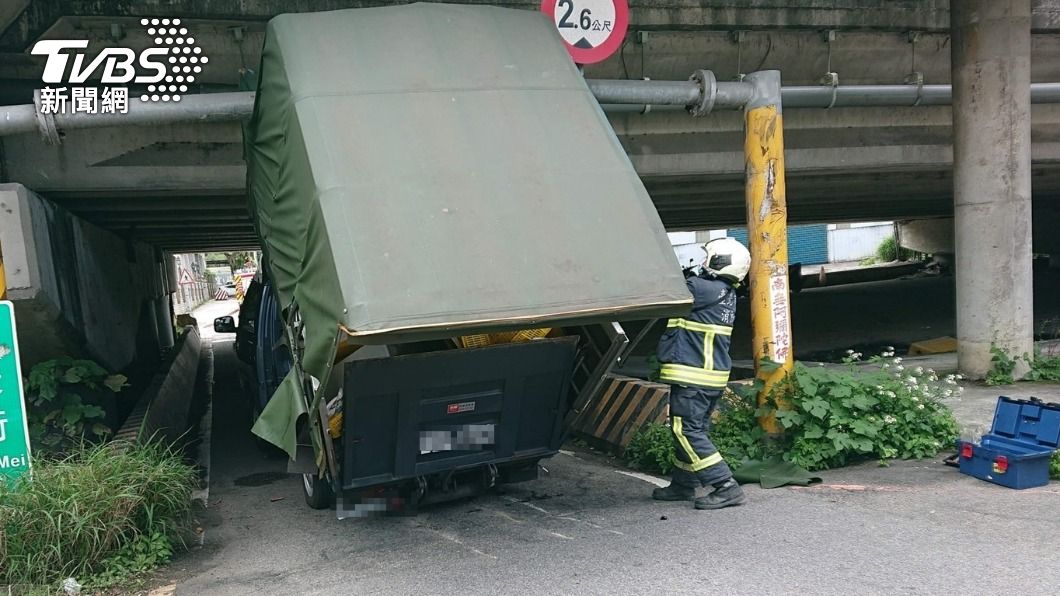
[694, 351]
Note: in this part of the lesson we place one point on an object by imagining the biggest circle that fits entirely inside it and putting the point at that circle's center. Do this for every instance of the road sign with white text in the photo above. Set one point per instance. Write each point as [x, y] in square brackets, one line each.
[14, 433]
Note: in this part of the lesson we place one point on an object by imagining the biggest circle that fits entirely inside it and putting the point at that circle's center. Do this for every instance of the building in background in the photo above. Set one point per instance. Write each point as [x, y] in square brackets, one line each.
[193, 283]
[814, 244]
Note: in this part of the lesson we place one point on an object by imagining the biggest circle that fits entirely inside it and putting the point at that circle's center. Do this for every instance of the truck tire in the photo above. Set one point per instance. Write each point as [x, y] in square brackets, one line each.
[317, 491]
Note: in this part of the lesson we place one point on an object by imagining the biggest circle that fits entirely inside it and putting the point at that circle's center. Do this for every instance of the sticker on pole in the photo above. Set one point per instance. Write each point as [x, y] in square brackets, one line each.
[591, 29]
[14, 433]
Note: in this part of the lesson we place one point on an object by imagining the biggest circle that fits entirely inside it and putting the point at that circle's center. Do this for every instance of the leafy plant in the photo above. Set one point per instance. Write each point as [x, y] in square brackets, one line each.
[838, 416]
[57, 413]
[736, 433]
[651, 449]
[1054, 466]
[103, 509]
[1043, 368]
[144, 553]
[1002, 367]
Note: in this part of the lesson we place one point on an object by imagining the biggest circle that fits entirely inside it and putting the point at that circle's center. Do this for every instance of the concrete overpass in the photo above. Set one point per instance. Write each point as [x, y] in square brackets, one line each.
[843, 164]
[180, 188]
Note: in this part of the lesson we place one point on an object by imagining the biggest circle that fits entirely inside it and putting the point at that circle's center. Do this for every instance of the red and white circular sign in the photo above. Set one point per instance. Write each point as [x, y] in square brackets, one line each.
[591, 29]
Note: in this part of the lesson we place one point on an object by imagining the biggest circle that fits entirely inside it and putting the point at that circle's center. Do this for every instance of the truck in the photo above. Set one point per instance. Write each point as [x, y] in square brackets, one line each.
[452, 236]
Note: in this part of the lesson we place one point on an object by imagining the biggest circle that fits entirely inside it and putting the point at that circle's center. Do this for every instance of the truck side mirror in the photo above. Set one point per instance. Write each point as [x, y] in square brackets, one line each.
[225, 324]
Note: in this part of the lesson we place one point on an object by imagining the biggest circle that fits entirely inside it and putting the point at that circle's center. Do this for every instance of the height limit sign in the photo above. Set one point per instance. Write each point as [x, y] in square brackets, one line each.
[592, 30]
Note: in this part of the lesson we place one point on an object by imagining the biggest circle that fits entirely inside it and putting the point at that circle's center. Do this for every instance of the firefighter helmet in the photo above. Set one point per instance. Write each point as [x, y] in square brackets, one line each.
[727, 258]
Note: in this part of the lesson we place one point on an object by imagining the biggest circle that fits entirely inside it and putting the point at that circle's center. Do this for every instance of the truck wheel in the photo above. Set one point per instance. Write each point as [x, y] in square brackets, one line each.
[317, 491]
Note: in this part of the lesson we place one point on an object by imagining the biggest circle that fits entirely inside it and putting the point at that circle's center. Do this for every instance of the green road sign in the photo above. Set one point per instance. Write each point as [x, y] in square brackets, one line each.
[14, 433]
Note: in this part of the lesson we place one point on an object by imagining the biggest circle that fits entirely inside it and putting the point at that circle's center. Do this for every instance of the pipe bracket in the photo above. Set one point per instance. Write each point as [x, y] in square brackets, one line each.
[45, 122]
[708, 92]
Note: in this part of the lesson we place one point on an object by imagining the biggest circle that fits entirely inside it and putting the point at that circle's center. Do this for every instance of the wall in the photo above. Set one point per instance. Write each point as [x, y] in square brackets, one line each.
[854, 242]
[78, 289]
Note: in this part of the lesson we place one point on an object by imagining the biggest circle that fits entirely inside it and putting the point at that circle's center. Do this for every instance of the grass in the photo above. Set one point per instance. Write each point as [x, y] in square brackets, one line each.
[107, 509]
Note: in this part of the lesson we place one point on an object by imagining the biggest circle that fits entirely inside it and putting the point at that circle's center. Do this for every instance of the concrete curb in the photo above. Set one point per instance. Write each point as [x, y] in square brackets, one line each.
[205, 425]
[164, 409]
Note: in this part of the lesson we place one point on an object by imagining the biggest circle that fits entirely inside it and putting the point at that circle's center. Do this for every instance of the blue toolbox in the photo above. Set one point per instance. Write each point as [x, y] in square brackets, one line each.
[1016, 451]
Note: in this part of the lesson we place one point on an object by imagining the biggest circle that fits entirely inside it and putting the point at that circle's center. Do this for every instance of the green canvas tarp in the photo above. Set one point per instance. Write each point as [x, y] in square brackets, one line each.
[432, 170]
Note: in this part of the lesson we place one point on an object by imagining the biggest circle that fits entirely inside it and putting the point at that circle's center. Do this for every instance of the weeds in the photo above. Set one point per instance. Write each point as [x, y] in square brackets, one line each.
[1054, 466]
[1041, 368]
[1002, 367]
[101, 510]
[651, 449]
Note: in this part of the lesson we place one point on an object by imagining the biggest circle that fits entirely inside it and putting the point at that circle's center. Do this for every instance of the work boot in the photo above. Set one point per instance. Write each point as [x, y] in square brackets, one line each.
[727, 494]
[674, 492]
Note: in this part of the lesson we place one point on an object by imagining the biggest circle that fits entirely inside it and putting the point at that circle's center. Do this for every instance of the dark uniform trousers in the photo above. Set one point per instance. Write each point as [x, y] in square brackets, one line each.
[698, 461]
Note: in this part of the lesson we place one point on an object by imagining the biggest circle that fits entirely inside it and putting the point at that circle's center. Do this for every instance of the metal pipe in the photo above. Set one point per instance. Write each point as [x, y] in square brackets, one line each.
[207, 107]
[613, 95]
[680, 93]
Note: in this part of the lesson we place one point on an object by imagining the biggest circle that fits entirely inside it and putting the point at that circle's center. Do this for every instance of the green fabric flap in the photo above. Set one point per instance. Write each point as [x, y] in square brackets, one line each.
[773, 473]
[278, 423]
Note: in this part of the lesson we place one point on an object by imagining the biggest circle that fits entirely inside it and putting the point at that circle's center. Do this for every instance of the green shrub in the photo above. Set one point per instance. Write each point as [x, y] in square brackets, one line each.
[841, 416]
[92, 510]
[836, 417]
[1054, 466]
[651, 449]
[888, 251]
[736, 433]
[57, 413]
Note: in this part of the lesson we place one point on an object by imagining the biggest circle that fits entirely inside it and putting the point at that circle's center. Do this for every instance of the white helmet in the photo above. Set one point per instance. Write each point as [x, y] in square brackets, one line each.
[727, 258]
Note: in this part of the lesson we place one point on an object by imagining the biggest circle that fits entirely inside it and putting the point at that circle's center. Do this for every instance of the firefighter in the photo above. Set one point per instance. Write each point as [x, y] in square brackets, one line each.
[694, 353]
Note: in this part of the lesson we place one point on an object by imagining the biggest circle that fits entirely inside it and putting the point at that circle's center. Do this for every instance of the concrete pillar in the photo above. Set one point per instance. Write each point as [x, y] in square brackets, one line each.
[992, 179]
[164, 322]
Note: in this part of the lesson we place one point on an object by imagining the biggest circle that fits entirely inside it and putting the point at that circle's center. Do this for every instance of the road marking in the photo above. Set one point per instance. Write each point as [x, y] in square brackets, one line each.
[646, 478]
[558, 535]
[509, 518]
[455, 540]
[530, 505]
[574, 519]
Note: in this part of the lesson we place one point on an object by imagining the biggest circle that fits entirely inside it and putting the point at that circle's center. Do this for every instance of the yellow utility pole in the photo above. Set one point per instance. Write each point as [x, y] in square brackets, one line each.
[767, 234]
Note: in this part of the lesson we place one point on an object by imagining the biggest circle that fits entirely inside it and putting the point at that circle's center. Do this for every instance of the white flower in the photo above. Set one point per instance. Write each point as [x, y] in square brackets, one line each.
[960, 377]
[856, 355]
[899, 368]
[915, 398]
[887, 354]
[911, 380]
[879, 387]
[897, 360]
[886, 366]
[850, 352]
[920, 407]
[890, 348]
[891, 394]
[890, 419]
[919, 370]
[960, 390]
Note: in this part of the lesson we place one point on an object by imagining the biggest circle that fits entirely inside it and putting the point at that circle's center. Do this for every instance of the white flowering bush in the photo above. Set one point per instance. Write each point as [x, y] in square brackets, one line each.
[881, 410]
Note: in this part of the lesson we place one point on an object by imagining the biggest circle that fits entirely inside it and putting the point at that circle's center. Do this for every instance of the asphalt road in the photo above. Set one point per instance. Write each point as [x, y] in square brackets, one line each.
[587, 528]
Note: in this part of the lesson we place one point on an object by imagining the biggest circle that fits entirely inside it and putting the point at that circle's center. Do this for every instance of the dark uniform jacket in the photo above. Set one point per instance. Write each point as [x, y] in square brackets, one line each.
[694, 351]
